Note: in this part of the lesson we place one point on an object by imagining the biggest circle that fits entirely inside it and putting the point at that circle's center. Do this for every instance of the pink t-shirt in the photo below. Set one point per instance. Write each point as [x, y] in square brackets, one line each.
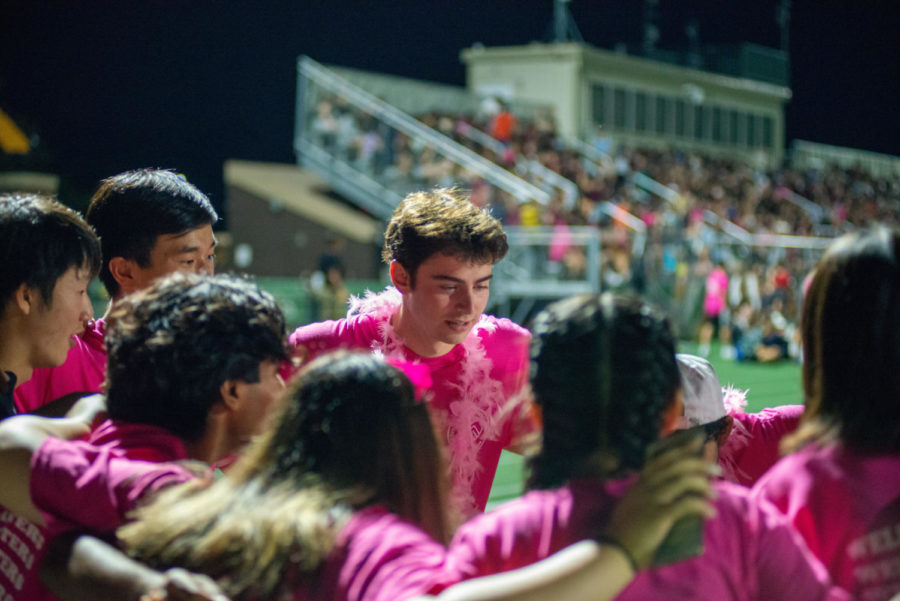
[847, 508]
[753, 445]
[477, 401]
[83, 371]
[716, 289]
[750, 552]
[82, 485]
[379, 557]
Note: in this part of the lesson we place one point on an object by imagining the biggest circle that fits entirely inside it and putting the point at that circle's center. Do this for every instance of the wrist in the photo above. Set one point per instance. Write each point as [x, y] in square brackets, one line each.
[608, 542]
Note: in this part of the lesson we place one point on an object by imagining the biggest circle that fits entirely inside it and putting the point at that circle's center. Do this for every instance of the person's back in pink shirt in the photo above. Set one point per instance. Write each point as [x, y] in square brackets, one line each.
[841, 490]
[846, 506]
[750, 552]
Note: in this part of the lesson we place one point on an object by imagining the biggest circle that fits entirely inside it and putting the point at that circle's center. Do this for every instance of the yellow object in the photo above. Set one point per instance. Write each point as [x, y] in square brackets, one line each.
[12, 139]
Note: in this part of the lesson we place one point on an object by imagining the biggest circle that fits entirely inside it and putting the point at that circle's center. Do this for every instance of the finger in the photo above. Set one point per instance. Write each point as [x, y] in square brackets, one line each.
[691, 506]
[695, 485]
[684, 466]
[678, 450]
[191, 586]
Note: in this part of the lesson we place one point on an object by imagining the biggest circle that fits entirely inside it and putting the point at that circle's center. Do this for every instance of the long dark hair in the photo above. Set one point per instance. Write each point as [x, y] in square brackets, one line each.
[851, 344]
[603, 371]
[350, 435]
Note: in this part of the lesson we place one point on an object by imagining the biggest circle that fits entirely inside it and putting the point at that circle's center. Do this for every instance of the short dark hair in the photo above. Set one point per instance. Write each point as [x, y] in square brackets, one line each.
[851, 343]
[132, 209]
[441, 221]
[40, 239]
[603, 371]
[172, 346]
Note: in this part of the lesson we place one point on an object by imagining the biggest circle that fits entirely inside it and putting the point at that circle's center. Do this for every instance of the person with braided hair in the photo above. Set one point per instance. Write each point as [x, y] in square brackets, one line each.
[605, 376]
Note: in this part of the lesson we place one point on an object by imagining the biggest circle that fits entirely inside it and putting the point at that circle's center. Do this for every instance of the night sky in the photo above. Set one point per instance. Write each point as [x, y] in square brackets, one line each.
[111, 86]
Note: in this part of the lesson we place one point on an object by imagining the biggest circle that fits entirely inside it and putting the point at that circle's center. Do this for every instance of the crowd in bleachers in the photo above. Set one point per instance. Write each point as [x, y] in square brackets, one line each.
[783, 200]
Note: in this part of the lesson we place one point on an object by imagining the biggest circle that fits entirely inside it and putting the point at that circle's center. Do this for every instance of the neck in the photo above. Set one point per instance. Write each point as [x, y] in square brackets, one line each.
[406, 330]
[14, 353]
[210, 447]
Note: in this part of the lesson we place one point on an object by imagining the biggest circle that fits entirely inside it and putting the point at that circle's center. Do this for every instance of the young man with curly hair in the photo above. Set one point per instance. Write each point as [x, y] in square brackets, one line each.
[441, 250]
[193, 374]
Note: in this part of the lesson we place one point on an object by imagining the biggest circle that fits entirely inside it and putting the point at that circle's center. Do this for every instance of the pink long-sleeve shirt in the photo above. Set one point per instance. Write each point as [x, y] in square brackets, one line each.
[88, 485]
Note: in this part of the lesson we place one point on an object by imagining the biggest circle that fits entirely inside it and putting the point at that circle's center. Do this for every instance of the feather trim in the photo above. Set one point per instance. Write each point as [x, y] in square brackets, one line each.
[471, 419]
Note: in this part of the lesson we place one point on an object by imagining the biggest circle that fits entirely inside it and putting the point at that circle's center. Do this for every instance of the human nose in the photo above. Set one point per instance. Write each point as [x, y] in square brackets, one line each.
[465, 300]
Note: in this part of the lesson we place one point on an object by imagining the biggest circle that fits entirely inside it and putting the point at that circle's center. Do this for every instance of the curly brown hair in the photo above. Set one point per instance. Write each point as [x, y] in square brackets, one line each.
[442, 221]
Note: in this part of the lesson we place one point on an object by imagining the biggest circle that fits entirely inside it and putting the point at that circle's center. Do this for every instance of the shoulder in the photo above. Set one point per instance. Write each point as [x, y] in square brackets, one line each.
[795, 475]
[502, 336]
[351, 332]
[489, 327]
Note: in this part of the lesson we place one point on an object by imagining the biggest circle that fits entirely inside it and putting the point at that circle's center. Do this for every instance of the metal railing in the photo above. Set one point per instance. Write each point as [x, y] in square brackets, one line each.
[358, 180]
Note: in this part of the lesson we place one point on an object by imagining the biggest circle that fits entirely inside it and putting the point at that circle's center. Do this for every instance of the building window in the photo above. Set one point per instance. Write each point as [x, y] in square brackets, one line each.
[662, 121]
[752, 137]
[732, 128]
[619, 108]
[767, 133]
[598, 98]
[699, 119]
[680, 118]
[641, 112]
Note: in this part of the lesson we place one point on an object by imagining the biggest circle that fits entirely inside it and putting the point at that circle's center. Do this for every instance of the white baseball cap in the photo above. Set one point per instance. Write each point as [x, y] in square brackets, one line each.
[701, 391]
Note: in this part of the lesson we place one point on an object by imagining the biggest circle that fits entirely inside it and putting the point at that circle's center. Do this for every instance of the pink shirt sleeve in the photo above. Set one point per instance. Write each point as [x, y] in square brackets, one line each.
[754, 444]
[100, 486]
[314, 339]
[508, 347]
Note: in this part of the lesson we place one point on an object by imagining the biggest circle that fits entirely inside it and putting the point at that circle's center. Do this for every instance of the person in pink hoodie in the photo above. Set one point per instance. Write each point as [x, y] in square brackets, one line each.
[606, 378]
[193, 374]
[841, 489]
[151, 222]
[441, 250]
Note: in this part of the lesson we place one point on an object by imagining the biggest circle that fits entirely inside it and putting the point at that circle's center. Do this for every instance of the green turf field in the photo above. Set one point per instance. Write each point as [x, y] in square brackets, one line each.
[767, 385]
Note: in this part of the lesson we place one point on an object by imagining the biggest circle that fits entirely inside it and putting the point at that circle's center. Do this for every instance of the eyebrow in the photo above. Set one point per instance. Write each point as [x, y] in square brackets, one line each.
[192, 249]
[448, 278]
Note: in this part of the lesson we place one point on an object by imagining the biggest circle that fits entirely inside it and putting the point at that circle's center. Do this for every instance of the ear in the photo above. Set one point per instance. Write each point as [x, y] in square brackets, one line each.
[124, 271]
[672, 414]
[26, 298]
[230, 395]
[400, 277]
